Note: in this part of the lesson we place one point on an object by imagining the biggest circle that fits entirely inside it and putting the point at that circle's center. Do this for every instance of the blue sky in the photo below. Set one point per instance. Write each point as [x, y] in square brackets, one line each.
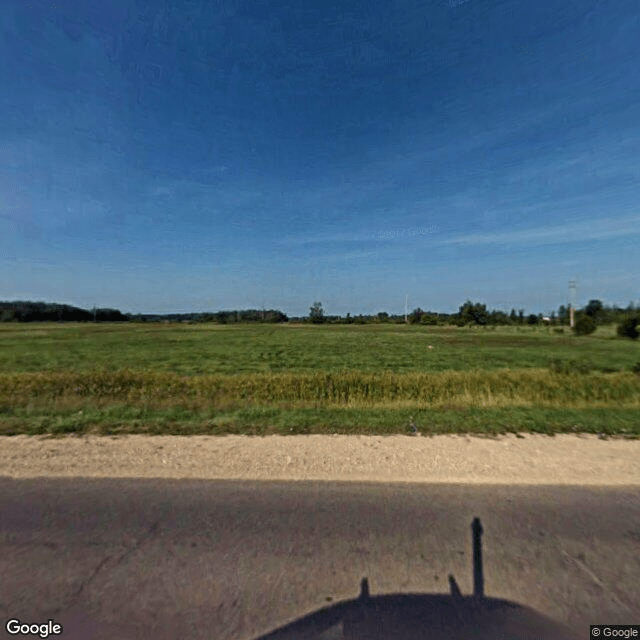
[187, 156]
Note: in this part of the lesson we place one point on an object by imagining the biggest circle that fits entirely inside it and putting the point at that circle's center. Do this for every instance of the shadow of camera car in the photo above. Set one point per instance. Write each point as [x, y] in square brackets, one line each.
[426, 616]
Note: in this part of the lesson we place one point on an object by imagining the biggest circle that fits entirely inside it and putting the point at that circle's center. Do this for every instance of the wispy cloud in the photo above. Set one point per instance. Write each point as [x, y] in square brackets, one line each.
[332, 258]
[217, 169]
[579, 231]
[161, 191]
[382, 234]
[328, 238]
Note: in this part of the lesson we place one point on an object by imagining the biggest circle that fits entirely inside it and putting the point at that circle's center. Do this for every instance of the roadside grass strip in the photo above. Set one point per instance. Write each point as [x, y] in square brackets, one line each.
[346, 388]
[348, 401]
[262, 421]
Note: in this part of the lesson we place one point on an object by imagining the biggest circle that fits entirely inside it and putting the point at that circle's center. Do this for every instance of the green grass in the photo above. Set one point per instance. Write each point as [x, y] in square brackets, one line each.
[230, 349]
[120, 419]
[164, 378]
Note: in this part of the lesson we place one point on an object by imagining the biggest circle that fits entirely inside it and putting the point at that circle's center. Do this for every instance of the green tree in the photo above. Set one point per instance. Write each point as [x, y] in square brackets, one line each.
[316, 313]
[627, 328]
[274, 315]
[584, 325]
[498, 317]
[429, 318]
[595, 310]
[474, 313]
[563, 314]
[7, 315]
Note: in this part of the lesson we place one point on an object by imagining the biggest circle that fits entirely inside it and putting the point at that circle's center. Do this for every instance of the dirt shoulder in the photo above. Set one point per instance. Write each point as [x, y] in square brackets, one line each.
[533, 459]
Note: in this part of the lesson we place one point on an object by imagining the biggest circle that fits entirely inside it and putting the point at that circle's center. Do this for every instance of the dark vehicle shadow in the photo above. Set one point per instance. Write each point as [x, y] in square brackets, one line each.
[426, 616]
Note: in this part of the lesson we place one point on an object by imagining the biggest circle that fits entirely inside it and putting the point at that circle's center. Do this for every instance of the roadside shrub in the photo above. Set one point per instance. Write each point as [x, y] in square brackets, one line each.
[636, 368]
[584, 326]
[627, 328]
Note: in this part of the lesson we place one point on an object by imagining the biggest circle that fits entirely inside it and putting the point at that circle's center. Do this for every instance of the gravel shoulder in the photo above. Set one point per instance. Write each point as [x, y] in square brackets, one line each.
[509, 459]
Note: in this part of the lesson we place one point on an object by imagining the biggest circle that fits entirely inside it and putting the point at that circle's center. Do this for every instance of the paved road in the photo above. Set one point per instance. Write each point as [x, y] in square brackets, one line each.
[138, 558]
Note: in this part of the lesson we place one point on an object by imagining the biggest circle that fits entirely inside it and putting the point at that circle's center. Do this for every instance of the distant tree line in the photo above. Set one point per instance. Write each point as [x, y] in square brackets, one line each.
[21, 311]
[470, 313]
[248, 315]
[219, 317]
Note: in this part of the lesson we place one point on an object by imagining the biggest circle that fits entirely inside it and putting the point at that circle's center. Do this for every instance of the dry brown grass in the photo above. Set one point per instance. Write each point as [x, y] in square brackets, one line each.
[530, 387]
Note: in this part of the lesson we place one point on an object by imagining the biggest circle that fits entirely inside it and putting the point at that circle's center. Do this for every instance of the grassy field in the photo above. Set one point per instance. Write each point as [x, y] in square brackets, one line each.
[259, 379]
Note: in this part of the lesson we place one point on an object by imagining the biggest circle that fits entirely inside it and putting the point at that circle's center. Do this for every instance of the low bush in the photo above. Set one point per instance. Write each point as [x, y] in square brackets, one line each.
[584, 326]
[627, 328]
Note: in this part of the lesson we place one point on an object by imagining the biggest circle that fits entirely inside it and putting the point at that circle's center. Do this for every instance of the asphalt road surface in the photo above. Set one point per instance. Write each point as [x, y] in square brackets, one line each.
[226, 559]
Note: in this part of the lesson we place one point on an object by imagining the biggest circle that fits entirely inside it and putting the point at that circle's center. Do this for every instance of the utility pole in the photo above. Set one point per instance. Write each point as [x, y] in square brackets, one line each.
[572, 302]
